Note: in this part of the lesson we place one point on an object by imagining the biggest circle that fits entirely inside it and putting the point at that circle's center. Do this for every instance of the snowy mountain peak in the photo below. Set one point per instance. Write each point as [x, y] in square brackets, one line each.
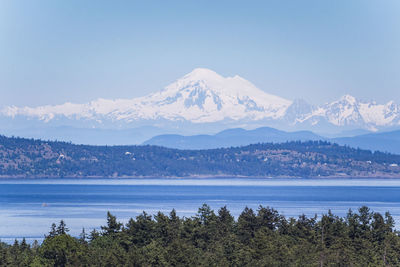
[204, 96]
[199, 74]
[351, 112]
[208, 80]
[349, 99]
[200, 96]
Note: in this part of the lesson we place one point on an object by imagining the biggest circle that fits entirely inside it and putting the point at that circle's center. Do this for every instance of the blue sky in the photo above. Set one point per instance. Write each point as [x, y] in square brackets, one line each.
[78, 50]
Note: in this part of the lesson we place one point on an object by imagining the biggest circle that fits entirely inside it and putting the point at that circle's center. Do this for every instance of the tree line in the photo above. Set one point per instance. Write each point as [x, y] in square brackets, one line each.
[261, 237]
[36, 158]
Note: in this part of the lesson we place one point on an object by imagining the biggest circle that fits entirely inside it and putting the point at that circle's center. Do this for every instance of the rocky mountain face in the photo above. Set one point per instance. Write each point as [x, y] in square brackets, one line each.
[205, 97]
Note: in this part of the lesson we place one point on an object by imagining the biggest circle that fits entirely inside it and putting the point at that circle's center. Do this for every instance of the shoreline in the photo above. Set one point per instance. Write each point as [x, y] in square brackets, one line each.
[201, 177]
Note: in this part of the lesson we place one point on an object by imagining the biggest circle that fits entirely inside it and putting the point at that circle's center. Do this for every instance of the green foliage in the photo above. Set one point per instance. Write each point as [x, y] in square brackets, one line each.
[261, 238]
[61, 250]
[36, 158]
[113, 227]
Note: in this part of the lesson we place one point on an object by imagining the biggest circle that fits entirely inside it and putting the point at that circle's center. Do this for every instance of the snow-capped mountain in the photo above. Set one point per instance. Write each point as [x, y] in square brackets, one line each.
[203, 96]
[200, 96]
[348, 111]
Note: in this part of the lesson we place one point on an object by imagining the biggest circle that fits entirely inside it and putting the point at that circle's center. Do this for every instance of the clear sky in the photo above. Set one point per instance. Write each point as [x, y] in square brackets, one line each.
[77, 50]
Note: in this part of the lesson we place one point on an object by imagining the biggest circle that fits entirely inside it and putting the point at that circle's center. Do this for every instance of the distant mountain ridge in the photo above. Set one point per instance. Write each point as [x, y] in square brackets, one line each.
[231, 138]
[384, 142]
[349, 111]
[204, 97]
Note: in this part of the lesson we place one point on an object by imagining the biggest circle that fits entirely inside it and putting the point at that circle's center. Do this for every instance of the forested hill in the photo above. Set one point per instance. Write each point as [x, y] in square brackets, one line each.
[21, 157]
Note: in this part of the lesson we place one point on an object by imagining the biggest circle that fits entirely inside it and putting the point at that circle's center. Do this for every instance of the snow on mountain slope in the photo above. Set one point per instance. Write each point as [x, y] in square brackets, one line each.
[348, 111]
[203, 96]
[200, 96]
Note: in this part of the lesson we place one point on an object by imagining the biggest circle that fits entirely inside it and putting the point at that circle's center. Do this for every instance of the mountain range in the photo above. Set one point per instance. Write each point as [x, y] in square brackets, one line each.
[203, 96]
[201, 102]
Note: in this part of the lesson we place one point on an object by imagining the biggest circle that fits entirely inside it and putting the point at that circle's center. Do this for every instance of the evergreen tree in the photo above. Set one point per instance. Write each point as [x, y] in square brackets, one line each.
[113, 226]
[53, 230]
[83, 236]
[62, 228]
[362, 238]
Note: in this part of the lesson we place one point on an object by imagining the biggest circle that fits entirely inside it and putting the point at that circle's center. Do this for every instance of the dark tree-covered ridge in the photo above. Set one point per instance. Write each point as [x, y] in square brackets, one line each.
[21, 157]
[261, 237]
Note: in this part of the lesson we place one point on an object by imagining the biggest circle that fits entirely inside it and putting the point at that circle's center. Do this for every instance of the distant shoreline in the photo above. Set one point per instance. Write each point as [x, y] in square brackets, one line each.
[200, 177]
[27, 158]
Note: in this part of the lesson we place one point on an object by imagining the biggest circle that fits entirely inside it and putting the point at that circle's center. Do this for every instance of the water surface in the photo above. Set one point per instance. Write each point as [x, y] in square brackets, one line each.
[29, 206]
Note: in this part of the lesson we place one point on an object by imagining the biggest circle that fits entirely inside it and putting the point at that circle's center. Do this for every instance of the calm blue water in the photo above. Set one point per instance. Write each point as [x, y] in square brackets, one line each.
[28, 207]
